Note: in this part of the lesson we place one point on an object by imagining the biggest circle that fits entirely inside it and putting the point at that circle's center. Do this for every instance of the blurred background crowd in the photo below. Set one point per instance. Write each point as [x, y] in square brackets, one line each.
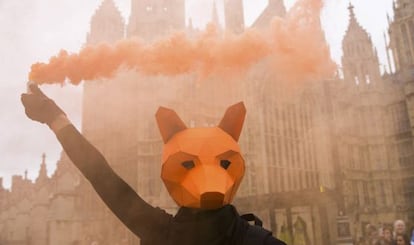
[400, 233]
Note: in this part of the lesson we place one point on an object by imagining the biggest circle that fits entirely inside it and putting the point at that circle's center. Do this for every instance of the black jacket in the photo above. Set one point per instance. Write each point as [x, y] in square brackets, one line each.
[153, 225]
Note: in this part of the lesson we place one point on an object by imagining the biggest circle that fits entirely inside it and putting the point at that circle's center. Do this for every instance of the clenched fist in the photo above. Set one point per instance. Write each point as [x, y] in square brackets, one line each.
[39, 107]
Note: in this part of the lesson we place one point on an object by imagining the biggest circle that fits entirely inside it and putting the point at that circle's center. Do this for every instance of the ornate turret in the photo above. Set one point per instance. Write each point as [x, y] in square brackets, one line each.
[151, 19]
[234, 15]
[107, 24]
[360, 61]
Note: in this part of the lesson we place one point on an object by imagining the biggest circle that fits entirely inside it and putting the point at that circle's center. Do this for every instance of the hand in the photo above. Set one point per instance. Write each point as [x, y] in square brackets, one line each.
[39, 107]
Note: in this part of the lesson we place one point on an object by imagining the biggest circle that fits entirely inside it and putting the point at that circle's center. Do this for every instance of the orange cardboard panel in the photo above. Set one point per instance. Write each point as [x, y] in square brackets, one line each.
[168, 123]
[233, 120]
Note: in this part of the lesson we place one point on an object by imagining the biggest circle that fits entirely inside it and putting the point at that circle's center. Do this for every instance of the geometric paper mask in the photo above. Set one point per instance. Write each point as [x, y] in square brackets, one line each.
[202, 167]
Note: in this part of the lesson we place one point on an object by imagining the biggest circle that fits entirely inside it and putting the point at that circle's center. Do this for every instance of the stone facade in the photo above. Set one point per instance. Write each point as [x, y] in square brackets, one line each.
[374, 135]
[339, 146]
[401, 34]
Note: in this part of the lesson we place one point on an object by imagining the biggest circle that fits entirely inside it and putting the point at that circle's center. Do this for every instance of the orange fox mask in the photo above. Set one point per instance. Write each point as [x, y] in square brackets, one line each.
[202, 167]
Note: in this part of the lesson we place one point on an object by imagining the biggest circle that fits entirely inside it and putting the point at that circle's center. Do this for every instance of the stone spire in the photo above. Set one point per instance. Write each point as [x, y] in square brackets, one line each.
[191, 30]
[360, 61]
[387, 52]
[190, 24]
[214, 15]
[234, 15]
[42, 177]
[107, 24]
[353, 23]
[351, 11]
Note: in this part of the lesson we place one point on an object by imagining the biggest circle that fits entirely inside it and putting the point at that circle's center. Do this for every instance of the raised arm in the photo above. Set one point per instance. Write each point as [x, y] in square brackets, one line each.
[131, 209]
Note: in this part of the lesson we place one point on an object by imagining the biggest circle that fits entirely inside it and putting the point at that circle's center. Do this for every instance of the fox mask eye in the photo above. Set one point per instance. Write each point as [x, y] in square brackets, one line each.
[188, 164]
[225, 164]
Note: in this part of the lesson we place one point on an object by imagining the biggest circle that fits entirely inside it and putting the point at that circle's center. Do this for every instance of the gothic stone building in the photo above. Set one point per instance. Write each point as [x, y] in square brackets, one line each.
[374, 125]
[340, 147]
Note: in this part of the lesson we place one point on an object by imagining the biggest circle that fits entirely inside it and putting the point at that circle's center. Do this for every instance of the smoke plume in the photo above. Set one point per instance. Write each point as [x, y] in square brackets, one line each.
[294, 48]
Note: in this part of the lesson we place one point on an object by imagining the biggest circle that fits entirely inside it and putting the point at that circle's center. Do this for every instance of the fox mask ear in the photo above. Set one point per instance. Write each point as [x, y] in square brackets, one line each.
[233, 119]
[169, 123]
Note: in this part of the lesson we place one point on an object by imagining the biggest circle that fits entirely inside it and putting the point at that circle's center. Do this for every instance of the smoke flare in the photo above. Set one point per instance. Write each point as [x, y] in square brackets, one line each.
[294, 47]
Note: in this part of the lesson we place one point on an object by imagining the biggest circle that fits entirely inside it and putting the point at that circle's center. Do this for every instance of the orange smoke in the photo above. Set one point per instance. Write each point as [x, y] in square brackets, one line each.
[299, 46]
[295, 47]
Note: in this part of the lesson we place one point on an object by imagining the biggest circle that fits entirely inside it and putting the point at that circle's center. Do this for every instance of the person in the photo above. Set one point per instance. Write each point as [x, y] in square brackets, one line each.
[371, 234]
[399, 227]
[402, 239]
[204, 217]
[386, 238]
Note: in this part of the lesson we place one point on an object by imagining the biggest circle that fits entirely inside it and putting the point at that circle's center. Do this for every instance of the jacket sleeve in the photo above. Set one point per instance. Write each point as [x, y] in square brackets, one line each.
[140, 217]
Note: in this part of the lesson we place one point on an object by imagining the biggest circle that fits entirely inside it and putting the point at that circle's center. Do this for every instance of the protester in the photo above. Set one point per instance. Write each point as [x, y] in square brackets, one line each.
[203, 218]
[402, 239]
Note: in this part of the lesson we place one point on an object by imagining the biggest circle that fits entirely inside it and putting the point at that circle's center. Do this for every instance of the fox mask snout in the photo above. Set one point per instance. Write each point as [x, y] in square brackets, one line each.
[202, 167]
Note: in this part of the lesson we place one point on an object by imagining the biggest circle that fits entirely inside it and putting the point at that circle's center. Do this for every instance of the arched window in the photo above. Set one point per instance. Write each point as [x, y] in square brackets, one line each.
[356, 79]
[367, 79]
